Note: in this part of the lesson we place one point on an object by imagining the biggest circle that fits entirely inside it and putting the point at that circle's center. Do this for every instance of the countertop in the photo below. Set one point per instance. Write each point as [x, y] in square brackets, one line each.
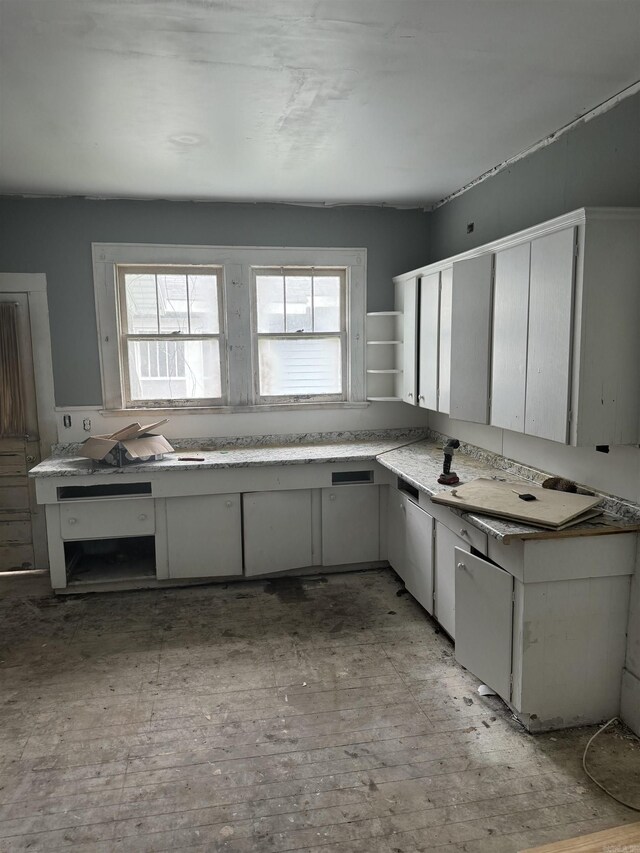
[420, 463]
[231, 457]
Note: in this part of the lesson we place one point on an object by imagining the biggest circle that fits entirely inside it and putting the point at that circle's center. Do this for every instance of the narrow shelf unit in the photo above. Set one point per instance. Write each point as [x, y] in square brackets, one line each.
[384, 371]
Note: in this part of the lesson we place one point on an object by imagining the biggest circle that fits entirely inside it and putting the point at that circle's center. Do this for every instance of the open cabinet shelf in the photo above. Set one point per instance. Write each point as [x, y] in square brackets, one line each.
[384, 370]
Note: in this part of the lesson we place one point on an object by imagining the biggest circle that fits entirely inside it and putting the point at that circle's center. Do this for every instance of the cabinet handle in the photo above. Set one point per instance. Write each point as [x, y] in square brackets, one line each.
[403, 508]
[421, 397]
[73, 521]
[228, 503]
[464, 531]
[410, 395]
[461, 566]
[332, 497]
[142, 517]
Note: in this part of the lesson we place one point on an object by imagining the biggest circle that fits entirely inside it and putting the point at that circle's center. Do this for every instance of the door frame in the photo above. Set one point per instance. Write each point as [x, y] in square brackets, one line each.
[34, 285]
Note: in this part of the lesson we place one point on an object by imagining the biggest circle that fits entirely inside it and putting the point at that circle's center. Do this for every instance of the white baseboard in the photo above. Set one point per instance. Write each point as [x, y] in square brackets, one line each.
[630, 700]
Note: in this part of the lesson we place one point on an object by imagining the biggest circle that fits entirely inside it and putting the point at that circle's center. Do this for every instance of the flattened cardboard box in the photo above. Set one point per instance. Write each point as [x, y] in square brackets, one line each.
[133, 443]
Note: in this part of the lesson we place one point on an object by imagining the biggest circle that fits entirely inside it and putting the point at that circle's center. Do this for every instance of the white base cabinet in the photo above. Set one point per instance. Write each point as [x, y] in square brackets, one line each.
[410, 546]
[350, 525]
[277, 531]
[204, 536]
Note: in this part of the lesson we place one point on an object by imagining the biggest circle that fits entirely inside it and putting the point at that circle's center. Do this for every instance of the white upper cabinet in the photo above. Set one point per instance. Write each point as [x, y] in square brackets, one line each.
[536, 332]
[410, 341]
[510, 334]
[471, 338]
[429, 337]
[549, 345]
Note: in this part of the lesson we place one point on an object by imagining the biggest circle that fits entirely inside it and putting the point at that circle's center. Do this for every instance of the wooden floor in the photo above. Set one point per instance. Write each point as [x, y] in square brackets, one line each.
[321, 715]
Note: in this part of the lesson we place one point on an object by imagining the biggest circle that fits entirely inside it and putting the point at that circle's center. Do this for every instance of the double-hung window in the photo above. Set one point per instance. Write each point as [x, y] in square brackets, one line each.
[229, 328]
[300, 334]
[170, 341]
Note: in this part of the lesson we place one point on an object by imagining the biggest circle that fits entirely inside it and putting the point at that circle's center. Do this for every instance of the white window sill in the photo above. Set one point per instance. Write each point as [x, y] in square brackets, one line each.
[227, 410]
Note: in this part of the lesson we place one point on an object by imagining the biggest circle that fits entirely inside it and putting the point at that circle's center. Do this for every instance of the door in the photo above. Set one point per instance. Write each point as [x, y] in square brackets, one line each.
[410, 342]
[484, 621]
[204, 536]
[446, 541]
[471, 339]
[429, 341]
[21, 521]
[397, 532]
[350, 525]
[444, 348]
[550, 339]
[419, 555]
[510, 335]
[277, 531]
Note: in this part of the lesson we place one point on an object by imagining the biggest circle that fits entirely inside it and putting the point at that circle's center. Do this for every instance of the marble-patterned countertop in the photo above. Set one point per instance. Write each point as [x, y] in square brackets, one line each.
[228, 457]
[420, 464]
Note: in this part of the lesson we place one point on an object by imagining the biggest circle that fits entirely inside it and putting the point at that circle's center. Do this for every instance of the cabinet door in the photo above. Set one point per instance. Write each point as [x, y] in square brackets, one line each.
[204, 536]
[470, 339]
[510, 324]
[550, 327]
[350, 525]
[410, 345]
[277, 531]
[444, 346]
[419, 555]
[397, 532]
[484, 621]
[429, 341]
[445, 578]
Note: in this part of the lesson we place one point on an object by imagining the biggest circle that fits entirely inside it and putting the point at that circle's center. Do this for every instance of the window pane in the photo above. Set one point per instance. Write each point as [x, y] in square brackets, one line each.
[174, 370]
[326, 303]
[142, 310]
[299, 366]
[203, 304]
[270, 303]
[299, 303]
[172, 303]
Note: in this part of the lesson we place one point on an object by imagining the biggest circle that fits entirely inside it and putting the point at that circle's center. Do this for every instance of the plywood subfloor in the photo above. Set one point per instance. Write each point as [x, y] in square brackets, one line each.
[323, 716]
[623, 839]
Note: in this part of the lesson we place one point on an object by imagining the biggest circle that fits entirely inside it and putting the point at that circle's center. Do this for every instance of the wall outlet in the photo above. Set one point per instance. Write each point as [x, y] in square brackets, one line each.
[86, 424]
[66, 421]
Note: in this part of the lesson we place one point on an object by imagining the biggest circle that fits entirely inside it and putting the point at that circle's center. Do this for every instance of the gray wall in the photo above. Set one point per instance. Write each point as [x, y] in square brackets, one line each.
[596, 164]
[54, 236]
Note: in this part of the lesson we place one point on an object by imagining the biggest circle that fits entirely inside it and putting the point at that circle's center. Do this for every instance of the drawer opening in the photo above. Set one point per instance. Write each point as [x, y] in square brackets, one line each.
[343, 478]
[110, 560]
[103, 490]
[408, 489]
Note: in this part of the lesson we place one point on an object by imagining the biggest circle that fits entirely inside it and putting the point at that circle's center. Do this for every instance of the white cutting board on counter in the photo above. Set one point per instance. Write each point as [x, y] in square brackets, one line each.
[551, 509]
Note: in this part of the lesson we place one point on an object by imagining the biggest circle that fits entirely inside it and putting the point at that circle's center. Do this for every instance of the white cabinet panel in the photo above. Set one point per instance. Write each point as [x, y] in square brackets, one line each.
[550, 322]
[397, 532]
[350, 525]
[107, 518]
[470, 339]
[204, 536]
[410, 345]
[444, 576]
[429, 336]
[277, 531]
[484, 620]
[444, 349]
[419, 555]
[510, 334]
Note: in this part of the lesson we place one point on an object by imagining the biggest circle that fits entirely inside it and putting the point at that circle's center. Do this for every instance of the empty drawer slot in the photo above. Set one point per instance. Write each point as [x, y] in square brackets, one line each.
[408, 488]
[342, 478]
[103, 490]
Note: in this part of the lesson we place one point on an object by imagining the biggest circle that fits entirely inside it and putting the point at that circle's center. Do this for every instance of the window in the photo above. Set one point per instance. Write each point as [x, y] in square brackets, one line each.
[300, 333]
[170, 335]
[229, 328]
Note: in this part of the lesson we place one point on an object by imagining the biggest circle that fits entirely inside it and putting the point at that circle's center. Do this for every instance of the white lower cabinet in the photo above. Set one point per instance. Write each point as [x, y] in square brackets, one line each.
[446, 541]
[418, 578]
[277, 531]
[484, 620]
[204, 536]
[350, 525]
[410, 546]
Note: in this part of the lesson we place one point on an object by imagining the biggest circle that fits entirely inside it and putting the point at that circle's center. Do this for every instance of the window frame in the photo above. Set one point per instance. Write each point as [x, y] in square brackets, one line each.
[124, 336]
[237, 263]
[256, 336]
